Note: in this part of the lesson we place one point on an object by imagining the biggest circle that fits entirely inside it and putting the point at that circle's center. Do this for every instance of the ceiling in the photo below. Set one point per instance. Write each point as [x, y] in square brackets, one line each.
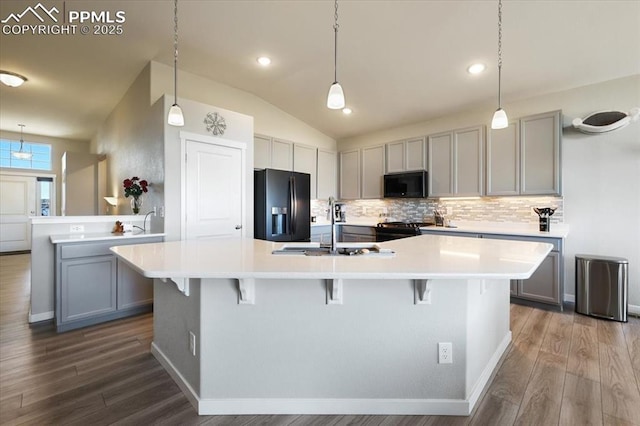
[399, 62]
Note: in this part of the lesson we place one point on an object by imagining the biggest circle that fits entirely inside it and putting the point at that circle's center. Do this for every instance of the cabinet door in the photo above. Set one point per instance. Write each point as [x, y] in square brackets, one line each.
[350, 175]
[281, 155]
[133, 289]
[415, 154]
[87, 287]
[544, 284]
[305, 161]
[327, 176]
[261, 152]
[468, 153]
[396, 152]
[514, 287]
[540, 154]
[372, 171]
[503, 160]
[440, 153]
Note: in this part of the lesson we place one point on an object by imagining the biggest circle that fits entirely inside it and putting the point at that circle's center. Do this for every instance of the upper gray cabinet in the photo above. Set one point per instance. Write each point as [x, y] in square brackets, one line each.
[350, 175]
[327, 174]
[455, 162]
[372, 171]
[524, 159]
[304, 160]
[405, 155]
[272, 153]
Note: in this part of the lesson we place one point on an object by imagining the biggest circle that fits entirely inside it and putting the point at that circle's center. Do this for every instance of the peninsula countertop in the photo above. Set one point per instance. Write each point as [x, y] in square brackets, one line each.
[420, 257]
[101, 236]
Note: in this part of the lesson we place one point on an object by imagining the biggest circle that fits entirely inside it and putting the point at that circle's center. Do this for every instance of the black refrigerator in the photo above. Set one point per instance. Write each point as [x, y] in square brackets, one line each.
[282, 205]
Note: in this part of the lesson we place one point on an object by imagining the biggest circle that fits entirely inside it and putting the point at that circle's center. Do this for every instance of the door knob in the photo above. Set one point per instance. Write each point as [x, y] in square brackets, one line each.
[238, 226]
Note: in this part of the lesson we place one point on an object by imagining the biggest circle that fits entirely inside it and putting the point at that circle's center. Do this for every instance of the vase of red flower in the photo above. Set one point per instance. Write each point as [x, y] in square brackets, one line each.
[134, 188]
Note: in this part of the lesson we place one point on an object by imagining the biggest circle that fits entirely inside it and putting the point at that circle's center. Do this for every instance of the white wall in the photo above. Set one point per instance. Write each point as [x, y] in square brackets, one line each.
[268, 119]
[601, 174]
[58, 148]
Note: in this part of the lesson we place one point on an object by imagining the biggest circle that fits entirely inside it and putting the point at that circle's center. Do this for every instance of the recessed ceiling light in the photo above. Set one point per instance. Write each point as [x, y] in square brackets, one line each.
[346, 111]
[476, 68]
[12, 79]
[264, 61]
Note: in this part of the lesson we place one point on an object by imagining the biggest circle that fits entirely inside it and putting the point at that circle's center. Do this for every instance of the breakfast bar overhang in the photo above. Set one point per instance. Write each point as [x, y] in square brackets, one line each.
[244, 331]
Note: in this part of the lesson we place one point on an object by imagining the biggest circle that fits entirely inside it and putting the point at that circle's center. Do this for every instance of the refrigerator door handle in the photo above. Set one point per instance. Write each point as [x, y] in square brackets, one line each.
[294, 200]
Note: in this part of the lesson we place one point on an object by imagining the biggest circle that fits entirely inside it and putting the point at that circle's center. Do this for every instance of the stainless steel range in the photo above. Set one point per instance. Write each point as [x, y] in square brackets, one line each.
[386, 231]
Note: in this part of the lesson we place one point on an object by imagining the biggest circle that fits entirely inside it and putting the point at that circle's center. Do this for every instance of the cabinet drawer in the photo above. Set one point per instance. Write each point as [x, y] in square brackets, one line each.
[72, 251]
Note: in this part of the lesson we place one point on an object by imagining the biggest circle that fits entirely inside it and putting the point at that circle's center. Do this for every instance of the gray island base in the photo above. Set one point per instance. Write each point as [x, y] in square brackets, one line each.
[245, 332]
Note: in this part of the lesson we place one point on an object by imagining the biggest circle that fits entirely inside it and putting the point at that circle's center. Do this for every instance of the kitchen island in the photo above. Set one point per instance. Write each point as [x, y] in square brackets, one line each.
[243, 331]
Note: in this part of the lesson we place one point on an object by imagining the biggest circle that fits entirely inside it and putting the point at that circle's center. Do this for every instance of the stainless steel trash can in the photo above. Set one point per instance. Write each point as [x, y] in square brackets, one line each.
[601, 286]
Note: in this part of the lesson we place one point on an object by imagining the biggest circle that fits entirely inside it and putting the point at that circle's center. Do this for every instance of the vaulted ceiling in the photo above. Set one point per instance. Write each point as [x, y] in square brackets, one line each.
[399, 61]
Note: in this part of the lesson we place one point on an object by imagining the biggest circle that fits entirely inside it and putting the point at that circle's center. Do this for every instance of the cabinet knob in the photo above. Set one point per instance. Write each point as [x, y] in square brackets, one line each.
[238, 226]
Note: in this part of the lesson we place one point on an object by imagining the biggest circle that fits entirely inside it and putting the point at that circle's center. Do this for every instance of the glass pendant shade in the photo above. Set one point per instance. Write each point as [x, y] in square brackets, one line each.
[175, 116]
[500, 120]
[21, 155]
[335, 99]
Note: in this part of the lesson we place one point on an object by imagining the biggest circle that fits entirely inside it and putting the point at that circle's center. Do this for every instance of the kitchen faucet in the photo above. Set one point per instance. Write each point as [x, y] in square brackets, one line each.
[332, 215]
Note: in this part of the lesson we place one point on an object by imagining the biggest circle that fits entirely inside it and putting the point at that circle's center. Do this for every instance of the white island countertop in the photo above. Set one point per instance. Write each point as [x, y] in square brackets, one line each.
[421, 257]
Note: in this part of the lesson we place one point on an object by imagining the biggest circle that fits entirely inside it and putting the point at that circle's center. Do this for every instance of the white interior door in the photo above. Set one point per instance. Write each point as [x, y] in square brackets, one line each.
[17, 203]
[214, 190]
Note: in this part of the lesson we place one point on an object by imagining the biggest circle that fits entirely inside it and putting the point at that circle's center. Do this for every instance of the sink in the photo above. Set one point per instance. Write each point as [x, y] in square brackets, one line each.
[342, 249]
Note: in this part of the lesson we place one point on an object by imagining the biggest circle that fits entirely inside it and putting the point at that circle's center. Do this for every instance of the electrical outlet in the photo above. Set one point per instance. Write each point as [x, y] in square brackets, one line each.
[445, 353]
[161, 211]
[76, 228]
[155, 210]
[192, 343]
[449, 210]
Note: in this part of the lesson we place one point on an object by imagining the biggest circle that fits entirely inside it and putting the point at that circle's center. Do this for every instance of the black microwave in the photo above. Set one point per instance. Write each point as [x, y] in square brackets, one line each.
[406, 185]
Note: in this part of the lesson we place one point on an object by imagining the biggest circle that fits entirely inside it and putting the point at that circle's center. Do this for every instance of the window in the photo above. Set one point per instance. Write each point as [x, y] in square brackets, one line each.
[41, 159]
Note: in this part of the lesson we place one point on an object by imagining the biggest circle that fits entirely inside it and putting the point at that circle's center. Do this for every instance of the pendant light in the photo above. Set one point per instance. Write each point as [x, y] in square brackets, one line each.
[175, 117]
[22, 155]
[12, 79]
[500, 120]
[335, 99]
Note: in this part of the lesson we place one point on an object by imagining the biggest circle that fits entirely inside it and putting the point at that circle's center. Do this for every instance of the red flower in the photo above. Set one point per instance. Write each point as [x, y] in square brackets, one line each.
[135, 187]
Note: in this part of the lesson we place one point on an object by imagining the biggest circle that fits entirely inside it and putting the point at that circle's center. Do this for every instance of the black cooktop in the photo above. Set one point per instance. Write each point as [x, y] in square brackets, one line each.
[401, 225]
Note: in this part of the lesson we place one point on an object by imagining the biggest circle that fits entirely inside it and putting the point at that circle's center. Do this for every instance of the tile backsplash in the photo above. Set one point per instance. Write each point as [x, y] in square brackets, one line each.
[493, 209]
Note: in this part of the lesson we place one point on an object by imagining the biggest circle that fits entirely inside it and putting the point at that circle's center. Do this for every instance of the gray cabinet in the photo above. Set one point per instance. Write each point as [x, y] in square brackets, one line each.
[327, 174]
[357, 234]
[372, 171]
[455, 163]
[305, 161]
[405, 155]
[524, 158]
[321, 234]
[92, 286]
[272, 153]
[350, 175]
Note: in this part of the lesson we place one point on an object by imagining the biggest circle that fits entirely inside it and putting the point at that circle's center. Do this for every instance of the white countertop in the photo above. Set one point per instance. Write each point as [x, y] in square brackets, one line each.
[559, 230]
[101, 236]
[421, 257]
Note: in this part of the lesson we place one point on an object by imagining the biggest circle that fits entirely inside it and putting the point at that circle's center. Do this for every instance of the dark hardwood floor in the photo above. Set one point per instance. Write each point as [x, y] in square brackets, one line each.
[561, 369]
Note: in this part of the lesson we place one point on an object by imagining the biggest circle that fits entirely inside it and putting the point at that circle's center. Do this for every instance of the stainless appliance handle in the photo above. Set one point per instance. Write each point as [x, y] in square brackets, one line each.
[294, 200]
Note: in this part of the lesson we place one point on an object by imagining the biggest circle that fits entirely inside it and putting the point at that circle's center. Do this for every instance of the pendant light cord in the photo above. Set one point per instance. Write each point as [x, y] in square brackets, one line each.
[175, 52]
[21, 136]
[499, 54]
[335, 44]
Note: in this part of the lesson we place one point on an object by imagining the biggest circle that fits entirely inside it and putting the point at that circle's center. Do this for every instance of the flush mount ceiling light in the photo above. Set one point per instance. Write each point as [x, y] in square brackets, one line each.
[21, 154]
[476, 68]
[264, 61]
[335, 98]
[12, 79]
[605, 121]
[346, 111]
[500, 120]
[175, 118]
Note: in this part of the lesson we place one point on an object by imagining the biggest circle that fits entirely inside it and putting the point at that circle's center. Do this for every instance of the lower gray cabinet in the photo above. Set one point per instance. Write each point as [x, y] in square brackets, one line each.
[357, 234]
[321, 234]
[93, 286]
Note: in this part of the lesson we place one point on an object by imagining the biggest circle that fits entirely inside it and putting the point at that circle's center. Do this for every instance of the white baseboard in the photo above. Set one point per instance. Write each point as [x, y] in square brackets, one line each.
[43, 316]
[632, 309]
[342, 406]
